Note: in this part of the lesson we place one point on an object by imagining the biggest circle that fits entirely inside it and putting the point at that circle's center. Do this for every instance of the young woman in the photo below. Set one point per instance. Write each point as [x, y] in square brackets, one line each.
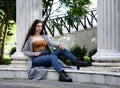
[36, 46]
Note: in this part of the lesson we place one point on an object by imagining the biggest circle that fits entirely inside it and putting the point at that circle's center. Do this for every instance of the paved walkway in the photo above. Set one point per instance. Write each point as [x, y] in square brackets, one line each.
[20, 83]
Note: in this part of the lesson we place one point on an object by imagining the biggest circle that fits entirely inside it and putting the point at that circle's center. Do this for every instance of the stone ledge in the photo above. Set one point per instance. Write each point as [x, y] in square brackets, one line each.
[96, 75]
[107, 64]
[11, 68]
[90, 76]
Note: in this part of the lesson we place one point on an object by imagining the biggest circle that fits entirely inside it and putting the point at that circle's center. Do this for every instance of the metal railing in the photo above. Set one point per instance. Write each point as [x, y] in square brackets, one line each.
[58, 23]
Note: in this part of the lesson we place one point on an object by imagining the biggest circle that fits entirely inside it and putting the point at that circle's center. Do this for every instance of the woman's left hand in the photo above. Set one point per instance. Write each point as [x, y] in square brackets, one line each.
[61, 47]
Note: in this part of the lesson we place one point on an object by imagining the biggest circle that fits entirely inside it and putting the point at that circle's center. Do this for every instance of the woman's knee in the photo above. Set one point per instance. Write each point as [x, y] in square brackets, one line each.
[53, 57]
[60, 50]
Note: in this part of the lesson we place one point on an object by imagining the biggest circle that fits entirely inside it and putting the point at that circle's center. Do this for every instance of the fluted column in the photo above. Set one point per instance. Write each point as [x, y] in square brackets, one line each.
[27, 12]
[108, 33]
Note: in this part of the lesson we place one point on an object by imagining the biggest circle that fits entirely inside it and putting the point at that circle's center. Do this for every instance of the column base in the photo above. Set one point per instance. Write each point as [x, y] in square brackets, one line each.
[19, 60]
[19, 56]
[106, 59]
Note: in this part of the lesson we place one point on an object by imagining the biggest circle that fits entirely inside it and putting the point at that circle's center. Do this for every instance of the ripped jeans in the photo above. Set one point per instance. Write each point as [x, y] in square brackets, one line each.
[52, 59]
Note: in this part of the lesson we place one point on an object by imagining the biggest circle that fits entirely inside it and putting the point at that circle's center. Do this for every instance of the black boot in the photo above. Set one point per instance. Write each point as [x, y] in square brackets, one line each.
[80, 63]
[64, 77]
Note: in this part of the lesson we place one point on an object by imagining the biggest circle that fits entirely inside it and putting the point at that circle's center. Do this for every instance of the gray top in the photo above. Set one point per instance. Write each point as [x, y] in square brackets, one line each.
[28, 51]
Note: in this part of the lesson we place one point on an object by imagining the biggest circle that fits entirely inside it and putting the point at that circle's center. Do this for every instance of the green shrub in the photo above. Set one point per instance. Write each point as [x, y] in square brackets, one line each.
[12, 51]
[91, 53]
[65, 60]
[6, 61]
[87, 58]
[78, 51]
[81, 52]
[68, 62]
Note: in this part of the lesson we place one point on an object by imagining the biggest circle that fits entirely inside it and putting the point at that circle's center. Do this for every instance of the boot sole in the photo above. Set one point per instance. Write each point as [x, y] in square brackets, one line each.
[65, 80]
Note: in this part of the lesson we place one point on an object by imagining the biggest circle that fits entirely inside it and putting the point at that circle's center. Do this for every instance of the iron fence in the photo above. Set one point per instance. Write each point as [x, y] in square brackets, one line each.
[58, 23]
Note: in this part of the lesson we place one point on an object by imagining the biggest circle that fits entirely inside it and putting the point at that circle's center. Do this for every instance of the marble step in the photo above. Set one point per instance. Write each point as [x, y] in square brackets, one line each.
[117, 64]
[18, 62]
[94, 75]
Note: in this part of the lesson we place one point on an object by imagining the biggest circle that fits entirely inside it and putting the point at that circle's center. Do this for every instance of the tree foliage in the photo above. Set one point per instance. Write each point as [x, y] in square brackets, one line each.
[47, 8]
[7, 13]
[76, 9]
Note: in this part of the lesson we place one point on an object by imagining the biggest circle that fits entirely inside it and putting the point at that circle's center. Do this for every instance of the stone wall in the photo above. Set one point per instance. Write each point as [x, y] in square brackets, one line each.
[83, 37]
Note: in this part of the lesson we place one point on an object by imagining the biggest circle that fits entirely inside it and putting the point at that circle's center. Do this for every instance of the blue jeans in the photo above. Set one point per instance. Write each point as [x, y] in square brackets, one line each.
[52, 59]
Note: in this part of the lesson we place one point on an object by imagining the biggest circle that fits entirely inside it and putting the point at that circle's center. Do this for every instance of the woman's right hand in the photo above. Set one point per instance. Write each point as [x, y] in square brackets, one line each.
[37, 53]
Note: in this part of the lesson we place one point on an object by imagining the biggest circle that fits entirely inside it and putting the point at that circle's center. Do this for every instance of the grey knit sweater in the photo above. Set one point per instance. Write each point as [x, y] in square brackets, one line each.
[28, 51]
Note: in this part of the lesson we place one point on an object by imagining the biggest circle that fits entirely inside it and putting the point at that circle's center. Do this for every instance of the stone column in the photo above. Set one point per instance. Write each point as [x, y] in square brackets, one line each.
[108, 33]
[27, 12]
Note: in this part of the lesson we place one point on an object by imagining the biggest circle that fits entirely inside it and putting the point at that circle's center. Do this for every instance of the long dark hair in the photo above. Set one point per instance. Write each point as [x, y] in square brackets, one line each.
[31, 30]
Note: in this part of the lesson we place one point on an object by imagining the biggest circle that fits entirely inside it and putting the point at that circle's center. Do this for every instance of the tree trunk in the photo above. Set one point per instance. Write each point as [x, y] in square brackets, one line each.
[1, 56]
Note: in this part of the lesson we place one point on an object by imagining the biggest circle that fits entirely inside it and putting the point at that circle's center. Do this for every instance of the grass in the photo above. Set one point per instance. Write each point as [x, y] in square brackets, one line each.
[7, 60]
